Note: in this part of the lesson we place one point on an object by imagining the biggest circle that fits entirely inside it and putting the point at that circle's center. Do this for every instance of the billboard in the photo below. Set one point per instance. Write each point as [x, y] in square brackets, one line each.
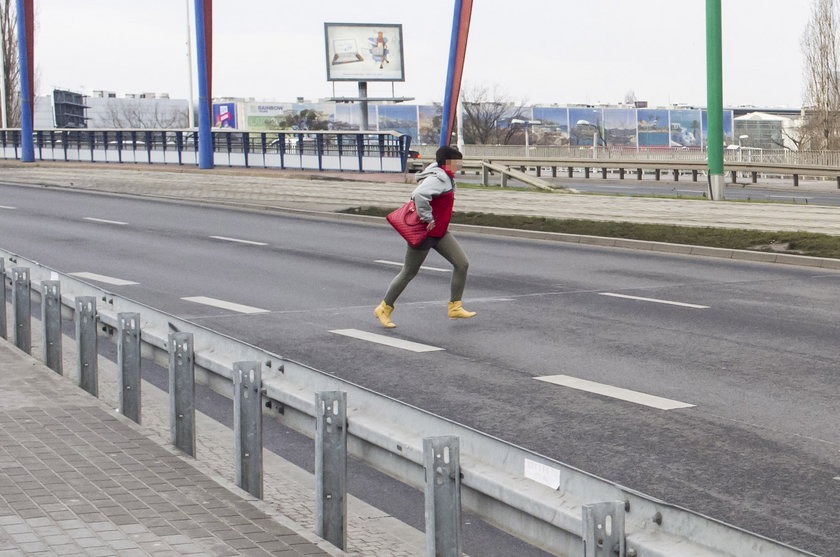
[224, 115]
[364, 52]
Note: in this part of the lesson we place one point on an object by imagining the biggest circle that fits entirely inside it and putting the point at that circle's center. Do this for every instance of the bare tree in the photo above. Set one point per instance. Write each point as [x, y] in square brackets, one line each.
[141, 114]
[820, 45]
[487, 115]
[11, 73]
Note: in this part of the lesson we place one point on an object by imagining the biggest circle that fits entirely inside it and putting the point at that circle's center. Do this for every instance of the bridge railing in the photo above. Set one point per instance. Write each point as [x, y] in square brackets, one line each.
[293, 149]
[547, 503]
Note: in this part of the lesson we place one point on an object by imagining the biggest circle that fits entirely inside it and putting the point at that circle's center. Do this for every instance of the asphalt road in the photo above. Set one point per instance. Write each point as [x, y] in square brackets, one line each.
[751, 347]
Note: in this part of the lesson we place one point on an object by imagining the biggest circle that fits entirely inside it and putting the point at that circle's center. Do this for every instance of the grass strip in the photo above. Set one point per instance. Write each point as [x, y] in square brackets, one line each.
[797, 243]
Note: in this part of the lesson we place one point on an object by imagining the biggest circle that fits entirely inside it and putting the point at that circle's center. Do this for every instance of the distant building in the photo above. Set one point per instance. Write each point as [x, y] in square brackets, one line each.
[69, 109]
[766, 131]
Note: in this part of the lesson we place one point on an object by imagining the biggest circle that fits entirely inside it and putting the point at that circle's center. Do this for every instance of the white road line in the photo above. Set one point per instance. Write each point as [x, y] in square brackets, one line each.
[105, 221]
[387, 341]
[7, 207]
[103, 278]
[399, 264]
[237, 240]
[614, 392]
[655, 300]
[224, 305]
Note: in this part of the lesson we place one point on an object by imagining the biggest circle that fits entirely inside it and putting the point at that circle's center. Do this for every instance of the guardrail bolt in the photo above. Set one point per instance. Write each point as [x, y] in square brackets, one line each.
[657, 518]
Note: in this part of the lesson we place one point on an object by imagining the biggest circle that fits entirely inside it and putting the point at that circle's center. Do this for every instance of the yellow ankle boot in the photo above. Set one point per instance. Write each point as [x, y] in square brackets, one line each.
[383, 313]
[457, 312]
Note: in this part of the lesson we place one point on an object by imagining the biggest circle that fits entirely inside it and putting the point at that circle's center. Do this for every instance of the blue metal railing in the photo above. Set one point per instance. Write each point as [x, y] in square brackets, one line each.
[311, 150]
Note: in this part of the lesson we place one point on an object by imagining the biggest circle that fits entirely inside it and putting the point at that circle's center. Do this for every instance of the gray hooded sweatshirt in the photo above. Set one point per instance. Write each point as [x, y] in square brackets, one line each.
[433, 182]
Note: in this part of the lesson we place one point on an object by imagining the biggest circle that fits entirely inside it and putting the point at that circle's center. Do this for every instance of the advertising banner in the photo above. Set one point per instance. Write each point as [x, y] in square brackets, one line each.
[554, 125]
[584, 124]
[364, 52]
[653, 127]
[620, 127]
[685, 128]
[224, 115]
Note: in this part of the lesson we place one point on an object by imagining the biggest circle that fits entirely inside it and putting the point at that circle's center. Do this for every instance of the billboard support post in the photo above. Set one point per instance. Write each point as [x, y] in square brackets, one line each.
[364, 124]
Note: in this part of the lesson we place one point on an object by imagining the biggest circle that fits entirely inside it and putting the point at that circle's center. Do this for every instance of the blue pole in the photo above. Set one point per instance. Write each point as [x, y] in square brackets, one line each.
[445, 124]
[205, 140]
[27, 147]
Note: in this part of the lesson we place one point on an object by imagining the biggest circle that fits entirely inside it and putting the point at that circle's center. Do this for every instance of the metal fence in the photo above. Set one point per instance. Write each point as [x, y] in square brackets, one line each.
[312, 150]
[549, 504]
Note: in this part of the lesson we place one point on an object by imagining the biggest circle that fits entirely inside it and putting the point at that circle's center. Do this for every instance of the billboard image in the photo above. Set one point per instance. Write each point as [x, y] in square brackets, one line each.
[653, 127]
[224, 115]
[399, 118]
[685, 128]
[584, 123]
[554, 127]
[728, 134]
[364, 52]
[620, 127]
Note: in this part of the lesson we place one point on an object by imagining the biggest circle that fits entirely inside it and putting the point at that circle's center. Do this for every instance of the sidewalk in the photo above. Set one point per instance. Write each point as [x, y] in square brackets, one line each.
[78, 479]
[305, 190]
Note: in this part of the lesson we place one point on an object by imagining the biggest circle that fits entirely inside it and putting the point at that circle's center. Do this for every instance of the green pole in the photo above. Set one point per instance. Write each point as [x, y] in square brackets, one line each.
[714, 100]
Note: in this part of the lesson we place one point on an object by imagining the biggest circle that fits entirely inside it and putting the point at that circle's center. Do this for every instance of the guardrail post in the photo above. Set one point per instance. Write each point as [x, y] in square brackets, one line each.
[331, 467]
[247, 426]
[621, 174]
[694, 175]
[86, 342]
[603, 529]
[504, 179]
[51, 321]
[676, 175]
[638, 174]
[755, 177]
[571, 172]
[22, 308]
[3, 298]
[554, 172]
[485, 175]
[586, 172]
[128, 363]
[441, 460]
[182, 392]
[604, 173]
[734, 176]
[658, 173]
[796, 180]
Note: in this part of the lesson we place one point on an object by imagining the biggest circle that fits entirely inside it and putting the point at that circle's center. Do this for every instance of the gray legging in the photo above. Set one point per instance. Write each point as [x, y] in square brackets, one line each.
[449, 248]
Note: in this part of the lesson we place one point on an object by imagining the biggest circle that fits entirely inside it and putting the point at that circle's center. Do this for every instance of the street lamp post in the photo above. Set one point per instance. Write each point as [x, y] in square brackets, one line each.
[740, 151]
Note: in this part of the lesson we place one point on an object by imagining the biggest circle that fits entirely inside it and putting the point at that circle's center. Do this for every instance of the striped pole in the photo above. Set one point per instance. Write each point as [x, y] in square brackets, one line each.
[26, 55]
[455, 70]
[204, 55]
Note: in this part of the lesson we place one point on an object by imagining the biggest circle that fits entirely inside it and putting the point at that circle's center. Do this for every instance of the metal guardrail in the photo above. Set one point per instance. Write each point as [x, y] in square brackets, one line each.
[292, 149]
[549, 504]
[637, 166]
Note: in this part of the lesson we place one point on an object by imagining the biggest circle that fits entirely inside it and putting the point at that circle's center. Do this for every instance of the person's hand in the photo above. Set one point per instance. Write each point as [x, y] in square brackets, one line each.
[430, 226]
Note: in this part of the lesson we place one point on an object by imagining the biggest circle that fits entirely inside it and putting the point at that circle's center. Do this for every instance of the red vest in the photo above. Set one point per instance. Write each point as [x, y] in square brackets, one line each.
[442, 213]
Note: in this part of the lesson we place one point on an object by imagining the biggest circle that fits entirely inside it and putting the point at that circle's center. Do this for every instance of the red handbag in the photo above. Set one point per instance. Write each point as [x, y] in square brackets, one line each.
[406, 221]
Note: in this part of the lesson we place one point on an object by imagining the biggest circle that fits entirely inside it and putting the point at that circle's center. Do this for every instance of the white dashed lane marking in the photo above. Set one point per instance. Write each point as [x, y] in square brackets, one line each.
[103, 278]
[424, 267]
[238, 241]
[105, 221]
[614, 392]
[7, 207]
[387, 341]
[654, 300]
[224, 305]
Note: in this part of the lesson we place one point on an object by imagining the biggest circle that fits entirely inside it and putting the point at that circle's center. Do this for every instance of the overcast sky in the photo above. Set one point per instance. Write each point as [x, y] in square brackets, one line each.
[534, 51]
